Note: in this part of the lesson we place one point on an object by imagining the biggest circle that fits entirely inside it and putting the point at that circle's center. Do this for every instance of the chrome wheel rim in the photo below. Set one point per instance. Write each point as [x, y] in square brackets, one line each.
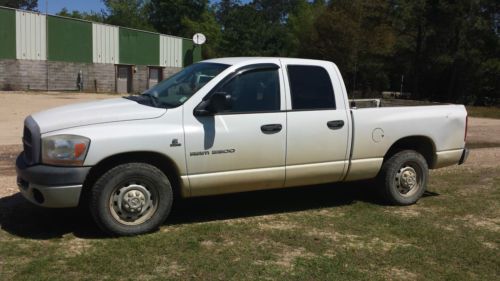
[408, 179]
[133, 203]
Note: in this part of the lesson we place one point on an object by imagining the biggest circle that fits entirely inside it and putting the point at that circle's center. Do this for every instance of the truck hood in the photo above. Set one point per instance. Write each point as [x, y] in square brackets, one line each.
[95, 112]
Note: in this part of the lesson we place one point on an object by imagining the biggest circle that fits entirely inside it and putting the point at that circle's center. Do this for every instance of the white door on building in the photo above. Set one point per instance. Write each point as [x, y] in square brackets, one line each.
[155, 76]
[123, 78]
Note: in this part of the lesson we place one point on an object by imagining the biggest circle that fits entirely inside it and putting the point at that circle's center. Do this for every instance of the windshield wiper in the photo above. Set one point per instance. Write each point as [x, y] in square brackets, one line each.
[158, 103]
[154, 100]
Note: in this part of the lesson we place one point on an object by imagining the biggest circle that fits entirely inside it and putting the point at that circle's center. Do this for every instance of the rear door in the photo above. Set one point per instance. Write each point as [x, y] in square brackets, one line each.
[243, 147]
[317, 124]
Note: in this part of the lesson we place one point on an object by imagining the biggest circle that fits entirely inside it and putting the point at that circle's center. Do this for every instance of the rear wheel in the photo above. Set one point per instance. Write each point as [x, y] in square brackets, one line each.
[131, 199]
[403, 178]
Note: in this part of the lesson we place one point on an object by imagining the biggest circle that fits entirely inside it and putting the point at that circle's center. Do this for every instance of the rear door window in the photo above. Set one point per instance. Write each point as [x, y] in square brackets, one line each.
[311, 87]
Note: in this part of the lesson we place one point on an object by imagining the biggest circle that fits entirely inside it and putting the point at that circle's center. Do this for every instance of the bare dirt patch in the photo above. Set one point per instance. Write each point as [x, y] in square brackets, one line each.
[411, 211]
[400, 274]
[75, 247]
[358, 242]
[286, 256]
[8, 154]
[483, 132]
[491, 224]
[276, 225]
[171, 269]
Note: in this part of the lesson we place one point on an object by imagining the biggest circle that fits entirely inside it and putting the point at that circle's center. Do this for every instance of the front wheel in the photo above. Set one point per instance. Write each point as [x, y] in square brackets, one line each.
[131, 199]
[403, 178]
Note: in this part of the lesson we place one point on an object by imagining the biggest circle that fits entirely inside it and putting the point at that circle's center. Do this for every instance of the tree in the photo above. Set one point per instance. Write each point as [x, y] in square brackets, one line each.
[451, 48]
[358, 37]
[171, 16]
[91, 16]
[128, 13]
[30, 5]
[207, 25]
[300, 25]
[258, 28]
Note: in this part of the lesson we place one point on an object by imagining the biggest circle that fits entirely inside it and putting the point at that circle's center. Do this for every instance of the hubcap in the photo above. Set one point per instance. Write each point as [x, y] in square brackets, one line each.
[407, 180]
[132, 204]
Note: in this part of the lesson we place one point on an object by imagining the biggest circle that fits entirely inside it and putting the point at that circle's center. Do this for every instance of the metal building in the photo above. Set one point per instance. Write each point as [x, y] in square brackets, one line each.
[45, 52]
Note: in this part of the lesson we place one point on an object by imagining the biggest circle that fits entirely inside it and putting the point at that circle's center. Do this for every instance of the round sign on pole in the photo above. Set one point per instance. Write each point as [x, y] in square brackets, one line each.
[199, 39]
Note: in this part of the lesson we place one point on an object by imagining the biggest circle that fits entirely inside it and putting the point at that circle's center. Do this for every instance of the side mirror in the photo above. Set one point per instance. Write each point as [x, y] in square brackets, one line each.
[218, 102]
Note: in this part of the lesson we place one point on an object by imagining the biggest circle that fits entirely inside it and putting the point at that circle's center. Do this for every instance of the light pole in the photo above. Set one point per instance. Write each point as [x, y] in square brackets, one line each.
[402, 81]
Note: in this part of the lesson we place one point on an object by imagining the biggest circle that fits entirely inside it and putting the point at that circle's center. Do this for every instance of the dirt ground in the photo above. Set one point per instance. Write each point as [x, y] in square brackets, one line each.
[483, 134]
[15, 106]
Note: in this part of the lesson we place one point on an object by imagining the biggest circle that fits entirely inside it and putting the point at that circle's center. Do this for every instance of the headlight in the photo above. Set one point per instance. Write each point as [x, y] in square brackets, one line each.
[64, 150]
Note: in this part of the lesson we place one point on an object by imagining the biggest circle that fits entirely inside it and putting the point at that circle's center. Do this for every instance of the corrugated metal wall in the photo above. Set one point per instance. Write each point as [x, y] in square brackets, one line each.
[7, 34]
[34, 36]
[138, 47]
[170, 51]
[31, 43]
[69, 40]
[105, 43]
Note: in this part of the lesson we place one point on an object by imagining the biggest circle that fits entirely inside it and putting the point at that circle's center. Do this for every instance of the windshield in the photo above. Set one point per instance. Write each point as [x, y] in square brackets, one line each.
[178, 88]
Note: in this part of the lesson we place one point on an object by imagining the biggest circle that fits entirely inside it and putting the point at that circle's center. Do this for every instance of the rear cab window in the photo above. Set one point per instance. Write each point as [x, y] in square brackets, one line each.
[310, 88]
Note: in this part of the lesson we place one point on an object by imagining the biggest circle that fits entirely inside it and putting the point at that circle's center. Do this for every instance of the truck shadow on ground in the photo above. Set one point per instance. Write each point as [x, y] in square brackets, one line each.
[20, 218]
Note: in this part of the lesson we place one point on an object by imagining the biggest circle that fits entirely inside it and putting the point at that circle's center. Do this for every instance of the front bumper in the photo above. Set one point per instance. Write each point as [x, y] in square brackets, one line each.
[50, 186]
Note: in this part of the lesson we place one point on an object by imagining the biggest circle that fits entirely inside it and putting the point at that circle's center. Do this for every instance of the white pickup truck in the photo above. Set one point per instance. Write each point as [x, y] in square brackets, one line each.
[229, 125]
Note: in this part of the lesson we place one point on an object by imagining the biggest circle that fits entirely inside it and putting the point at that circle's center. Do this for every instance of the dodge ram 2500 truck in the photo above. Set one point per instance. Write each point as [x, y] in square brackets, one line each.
[229, 125]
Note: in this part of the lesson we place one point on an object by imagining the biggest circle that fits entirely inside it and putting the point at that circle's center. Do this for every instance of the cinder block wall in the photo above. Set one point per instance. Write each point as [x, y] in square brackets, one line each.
[23, 75]
[169, 71]
[63, 76]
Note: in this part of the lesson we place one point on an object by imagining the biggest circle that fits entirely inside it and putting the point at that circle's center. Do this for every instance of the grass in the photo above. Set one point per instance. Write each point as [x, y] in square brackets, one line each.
[484, 111]
[312, 233]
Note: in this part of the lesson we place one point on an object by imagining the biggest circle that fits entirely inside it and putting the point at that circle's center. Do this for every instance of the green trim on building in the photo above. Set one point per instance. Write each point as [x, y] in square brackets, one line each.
[7, 34]
[137, 47]
[191, 53]
[69, 40]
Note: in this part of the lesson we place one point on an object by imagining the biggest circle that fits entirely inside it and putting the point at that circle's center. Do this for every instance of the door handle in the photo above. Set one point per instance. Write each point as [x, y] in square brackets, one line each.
[271, 128]
[335, 125]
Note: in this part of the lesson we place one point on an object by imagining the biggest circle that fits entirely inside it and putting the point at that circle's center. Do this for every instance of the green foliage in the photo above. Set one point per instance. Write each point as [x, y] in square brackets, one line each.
[29, 5]
[90, 16]
[171, 16]
[445, 50]
[128, 13]
[207, 25]
[450, 49]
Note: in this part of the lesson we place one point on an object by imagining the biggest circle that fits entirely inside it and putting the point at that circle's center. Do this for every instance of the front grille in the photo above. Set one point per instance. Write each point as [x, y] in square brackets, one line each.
[31, 141]
[28, 145]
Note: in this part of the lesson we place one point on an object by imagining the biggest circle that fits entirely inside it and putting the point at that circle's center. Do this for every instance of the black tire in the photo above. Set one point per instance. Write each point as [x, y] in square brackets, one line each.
[403, 178]
[119, 199]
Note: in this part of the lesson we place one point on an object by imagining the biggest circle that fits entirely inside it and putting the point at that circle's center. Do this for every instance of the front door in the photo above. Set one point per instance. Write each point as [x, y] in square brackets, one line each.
[317, 132]
[243, 147]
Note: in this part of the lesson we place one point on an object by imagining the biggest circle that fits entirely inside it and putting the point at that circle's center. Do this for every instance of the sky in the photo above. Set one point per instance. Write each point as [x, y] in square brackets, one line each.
[55, 6]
